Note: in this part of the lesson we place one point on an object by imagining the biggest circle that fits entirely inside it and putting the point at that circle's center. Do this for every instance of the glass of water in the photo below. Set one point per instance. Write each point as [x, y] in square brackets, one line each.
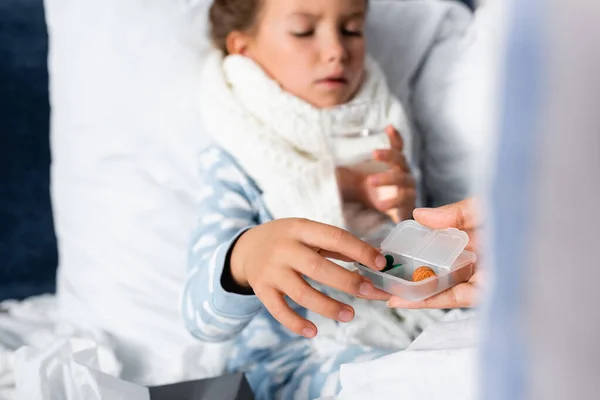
[357, 119]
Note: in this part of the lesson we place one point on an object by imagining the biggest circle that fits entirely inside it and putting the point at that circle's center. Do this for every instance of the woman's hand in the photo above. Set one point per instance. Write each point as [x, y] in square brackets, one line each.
[274, 258]
[391, 192]
[464, 216]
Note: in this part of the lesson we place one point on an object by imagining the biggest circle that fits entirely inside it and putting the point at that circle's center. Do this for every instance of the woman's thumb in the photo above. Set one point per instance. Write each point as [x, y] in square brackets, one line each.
[459, 215]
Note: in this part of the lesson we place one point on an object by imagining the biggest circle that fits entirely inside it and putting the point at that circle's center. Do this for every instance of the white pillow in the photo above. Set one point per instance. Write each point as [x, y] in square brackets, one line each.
[422, 47]
[125, 134]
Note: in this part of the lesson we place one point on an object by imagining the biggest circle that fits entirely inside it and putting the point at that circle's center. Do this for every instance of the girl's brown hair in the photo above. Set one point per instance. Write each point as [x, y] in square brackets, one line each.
[228, 16]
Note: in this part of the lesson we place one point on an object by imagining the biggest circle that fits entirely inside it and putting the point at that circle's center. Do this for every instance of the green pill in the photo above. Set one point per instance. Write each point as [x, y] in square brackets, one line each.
[390, 260]
[389, 263]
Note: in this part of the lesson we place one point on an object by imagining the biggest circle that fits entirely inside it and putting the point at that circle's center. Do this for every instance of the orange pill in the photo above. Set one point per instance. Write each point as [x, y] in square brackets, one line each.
[422, 273]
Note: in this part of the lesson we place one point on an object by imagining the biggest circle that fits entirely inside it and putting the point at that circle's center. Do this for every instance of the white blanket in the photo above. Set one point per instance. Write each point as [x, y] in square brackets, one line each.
[440, 364]
[438, 361]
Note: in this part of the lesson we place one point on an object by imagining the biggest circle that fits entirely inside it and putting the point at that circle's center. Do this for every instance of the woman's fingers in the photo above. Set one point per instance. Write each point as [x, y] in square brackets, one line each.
[274, 302]
[462, 215]
[462, 295]
[473, 244]
[336, 240]
[308, 297]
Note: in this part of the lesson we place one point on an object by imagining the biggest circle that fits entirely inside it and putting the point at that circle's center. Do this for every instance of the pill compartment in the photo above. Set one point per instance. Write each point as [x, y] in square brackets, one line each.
[414, 246]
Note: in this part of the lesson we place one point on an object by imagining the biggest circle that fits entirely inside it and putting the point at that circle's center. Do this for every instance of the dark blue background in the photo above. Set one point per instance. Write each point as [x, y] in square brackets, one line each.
[28, 256]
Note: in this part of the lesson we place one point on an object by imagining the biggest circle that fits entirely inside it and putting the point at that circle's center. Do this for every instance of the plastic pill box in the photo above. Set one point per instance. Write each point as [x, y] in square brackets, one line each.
[414, 246]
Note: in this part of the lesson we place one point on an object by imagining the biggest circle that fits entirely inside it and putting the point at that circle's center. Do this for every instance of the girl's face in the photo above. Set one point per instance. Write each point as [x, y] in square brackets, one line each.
[314, 49]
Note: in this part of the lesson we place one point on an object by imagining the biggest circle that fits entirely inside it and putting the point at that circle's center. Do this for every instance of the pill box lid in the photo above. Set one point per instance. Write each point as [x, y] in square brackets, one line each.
[429, 246]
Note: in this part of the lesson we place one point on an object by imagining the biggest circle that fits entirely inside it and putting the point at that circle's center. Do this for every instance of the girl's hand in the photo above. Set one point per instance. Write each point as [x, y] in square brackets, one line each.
[274, 258]
[392, 192]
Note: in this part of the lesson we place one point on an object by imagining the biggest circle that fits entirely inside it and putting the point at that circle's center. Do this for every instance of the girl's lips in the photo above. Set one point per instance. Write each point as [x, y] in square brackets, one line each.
[333, 81]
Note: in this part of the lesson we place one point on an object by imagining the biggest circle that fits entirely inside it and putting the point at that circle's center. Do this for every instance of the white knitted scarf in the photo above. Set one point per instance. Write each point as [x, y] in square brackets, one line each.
[288, 148]
[285, 144]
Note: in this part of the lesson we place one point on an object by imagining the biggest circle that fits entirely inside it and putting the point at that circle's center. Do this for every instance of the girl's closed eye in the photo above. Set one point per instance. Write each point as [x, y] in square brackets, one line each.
[304, 34]
[303, 25]
[350, 32]
[344, 32]
[354, 27]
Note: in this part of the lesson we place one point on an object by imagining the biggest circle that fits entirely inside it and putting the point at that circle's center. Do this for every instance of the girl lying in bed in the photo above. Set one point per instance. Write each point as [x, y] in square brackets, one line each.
[284, 188]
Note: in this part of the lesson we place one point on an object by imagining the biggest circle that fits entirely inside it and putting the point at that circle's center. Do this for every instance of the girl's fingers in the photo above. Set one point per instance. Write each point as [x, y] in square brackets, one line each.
[403, 198]
[319, 269]
[308, 297]
[274, 302]
[392, 157]
[334, 256]
[336, 240]
[379, 295]
[392, 177]
[395, 215]
[396, 141]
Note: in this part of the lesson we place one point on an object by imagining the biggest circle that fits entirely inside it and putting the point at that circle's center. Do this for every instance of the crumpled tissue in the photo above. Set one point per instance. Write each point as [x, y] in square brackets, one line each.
[72, 369]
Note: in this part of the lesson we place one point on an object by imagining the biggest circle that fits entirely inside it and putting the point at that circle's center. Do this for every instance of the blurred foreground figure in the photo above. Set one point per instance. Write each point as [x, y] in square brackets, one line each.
[541, 337]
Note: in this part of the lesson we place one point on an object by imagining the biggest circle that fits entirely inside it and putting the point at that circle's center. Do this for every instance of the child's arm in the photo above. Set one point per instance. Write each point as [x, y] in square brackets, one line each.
[213, 309]
[271, 259]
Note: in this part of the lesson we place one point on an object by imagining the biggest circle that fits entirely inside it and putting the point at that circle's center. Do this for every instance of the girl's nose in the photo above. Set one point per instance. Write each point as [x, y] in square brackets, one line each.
[335, 50]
